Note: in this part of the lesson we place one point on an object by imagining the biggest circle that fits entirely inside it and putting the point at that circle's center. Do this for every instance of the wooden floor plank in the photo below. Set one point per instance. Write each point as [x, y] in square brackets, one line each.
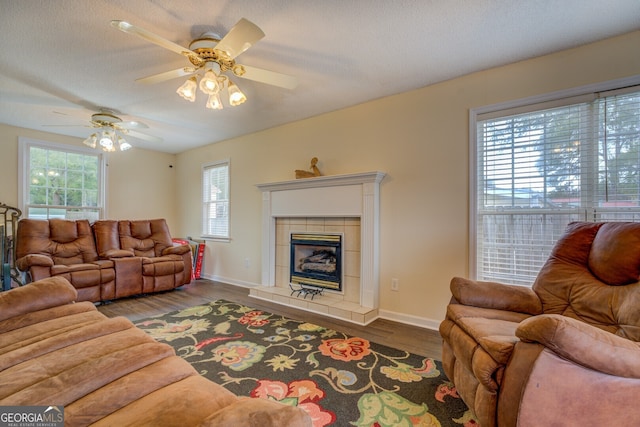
[422, 341]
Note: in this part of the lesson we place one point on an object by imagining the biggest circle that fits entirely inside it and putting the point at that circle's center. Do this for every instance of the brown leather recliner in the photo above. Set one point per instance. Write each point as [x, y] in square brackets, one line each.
[565, 352]
[59, 247]
[143, 249]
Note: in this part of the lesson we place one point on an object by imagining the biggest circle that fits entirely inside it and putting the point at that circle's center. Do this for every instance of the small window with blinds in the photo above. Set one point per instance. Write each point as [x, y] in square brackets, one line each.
[215, 200]
[539, 167]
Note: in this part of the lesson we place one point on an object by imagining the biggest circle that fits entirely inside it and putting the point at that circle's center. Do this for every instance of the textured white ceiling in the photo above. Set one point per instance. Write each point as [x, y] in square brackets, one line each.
[61, 60]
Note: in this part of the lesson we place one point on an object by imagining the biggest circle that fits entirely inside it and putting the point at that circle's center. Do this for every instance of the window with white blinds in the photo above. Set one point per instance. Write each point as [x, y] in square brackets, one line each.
[539, 167]
[215, 200]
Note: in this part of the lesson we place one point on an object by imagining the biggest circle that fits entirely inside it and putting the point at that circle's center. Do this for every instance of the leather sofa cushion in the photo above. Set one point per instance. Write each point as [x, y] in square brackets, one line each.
[60, 269]
[471, 360]
[106, 237]
[40, 296]
[64, 241]
[615, 253]
[41, 338]
[482, 340]
[567, 285]
[162, 266]
[148, 238]
[175, 404]
[493, 330]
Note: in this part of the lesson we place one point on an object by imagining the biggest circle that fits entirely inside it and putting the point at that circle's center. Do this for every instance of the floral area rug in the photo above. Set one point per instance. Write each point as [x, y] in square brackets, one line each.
[338, 379]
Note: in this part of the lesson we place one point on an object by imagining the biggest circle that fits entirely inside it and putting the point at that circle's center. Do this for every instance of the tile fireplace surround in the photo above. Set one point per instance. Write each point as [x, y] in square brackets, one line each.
[344, 204]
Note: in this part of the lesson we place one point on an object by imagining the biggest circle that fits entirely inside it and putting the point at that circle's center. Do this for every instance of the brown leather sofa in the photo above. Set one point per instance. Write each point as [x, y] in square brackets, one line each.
[105, 260]
[107, 372]
[564, 352]
[145, 258]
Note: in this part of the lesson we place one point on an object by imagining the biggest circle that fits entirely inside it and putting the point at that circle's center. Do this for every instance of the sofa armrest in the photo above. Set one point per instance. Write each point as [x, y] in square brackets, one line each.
[103, 263]
[176, 250]
[498, 296]
[32, 260]
[38, 295]
[117, 253]
[583, 344]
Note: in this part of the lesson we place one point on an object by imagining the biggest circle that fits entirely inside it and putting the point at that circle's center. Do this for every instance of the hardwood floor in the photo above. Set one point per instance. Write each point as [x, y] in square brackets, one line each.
[422, 341]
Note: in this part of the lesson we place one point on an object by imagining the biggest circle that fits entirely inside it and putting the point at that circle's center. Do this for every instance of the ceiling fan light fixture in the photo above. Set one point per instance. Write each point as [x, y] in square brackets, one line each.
[91, 141]
[214, 102]
[188, 89]
[123, 144]
[106, 141]
[236, 97]
[108, 147]
[210, 82]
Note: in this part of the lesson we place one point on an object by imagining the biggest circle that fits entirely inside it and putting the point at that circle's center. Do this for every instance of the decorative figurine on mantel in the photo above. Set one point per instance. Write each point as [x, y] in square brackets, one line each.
[309, 174]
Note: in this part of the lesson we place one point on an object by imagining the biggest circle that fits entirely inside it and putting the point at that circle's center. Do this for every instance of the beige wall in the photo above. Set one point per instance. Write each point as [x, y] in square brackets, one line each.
[420, 139]
[140, 183]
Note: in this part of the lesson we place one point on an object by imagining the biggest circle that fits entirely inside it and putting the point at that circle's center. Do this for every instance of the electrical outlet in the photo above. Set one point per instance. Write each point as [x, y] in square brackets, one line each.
[395, 284]
[247, 263]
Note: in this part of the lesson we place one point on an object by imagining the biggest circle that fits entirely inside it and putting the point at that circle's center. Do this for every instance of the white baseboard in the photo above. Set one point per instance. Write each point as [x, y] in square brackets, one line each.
[230, 281]
[409, 319]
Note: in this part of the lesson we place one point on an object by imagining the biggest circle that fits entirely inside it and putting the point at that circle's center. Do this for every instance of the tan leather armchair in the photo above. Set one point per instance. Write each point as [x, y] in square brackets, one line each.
[565, 352]
[143, 249]
[64, 248]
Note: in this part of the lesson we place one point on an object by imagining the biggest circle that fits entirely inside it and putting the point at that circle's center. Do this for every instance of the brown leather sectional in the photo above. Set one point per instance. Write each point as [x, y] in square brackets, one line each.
[107, 372]
[106, 260]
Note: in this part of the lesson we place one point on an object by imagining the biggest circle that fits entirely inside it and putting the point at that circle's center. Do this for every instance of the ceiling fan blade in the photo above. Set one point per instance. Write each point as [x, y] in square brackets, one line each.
[167, 75]
[153, 38]
[68, 126]
[144, 136]
[269, 77]
[240, 38]
[132, 125]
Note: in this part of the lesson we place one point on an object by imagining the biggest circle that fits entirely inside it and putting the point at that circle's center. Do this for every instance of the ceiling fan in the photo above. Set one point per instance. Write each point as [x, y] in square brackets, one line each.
[213, 56]
[111, 131]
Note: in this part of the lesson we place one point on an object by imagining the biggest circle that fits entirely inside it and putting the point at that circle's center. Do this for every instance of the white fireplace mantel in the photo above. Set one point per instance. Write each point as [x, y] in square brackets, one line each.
[352, 195]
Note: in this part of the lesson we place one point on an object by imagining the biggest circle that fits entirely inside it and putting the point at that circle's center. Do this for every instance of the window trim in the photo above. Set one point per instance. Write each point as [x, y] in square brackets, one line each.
[24, 144]
[205, 166]
[532, 103]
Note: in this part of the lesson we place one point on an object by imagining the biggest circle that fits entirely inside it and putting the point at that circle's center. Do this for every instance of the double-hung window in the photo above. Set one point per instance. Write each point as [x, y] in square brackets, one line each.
[215, 200]
[61, 181]
[539, 167]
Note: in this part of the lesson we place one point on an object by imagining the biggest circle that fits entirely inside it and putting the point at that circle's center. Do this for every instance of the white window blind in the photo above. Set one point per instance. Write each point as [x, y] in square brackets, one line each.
[541, 167]
[215, 200]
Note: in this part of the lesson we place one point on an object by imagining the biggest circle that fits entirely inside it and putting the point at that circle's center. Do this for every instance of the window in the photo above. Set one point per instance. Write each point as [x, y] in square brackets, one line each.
[61, 181]
[539, 167]
[215, 200]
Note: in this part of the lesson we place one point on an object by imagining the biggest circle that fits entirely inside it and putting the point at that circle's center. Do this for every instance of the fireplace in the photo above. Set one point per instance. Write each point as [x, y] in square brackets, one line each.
[340, 204]
[316, 260]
